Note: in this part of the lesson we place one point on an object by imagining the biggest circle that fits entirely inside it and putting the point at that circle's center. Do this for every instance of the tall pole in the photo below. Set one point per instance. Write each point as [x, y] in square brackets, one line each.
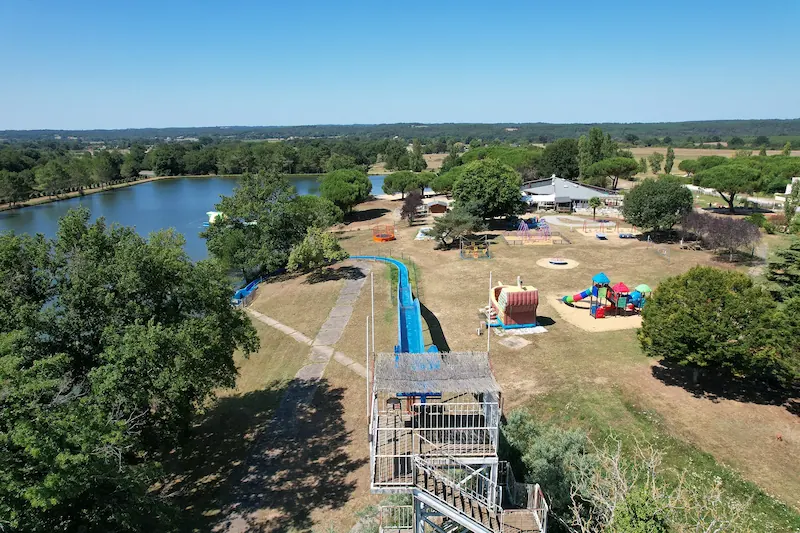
[372, 298]
[368, 391]
[489, 314]
[488, 334]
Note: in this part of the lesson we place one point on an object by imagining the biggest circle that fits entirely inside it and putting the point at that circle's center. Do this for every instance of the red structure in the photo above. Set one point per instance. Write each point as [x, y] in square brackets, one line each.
[515, 306]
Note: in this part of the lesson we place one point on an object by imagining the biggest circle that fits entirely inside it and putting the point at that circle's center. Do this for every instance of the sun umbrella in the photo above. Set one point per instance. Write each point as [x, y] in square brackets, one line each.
[600, 278]
[620, 287]
[643, 288]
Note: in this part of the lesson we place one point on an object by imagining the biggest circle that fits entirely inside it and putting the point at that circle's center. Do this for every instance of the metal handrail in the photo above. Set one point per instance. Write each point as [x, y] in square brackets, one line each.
[420, 463]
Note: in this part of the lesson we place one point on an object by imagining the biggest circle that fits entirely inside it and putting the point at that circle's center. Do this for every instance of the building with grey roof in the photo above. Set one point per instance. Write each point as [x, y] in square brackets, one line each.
[565, 195]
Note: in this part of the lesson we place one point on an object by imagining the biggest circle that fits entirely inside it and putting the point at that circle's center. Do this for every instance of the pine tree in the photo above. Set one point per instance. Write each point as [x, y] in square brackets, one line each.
[787, 148]
[670, 160]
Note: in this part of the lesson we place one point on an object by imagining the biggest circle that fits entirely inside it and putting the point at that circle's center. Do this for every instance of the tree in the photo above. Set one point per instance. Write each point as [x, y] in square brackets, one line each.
[409, 210]
[783, 272]
[670, 160]
[655, 160]
[452, 160]
[489, 189]
[657, 204]
[716, 319]
[762, 152]
[453, 225]
[417, 161]
[791, 203]
[761, 140]
[593, 148]
[560, 158]
[339, 161]
[729, 180]
[262, 221]
[443, 183]
[15, 186]
[735, 142]
[396, 155]
[614, 168]
[109, 343]
[346, 188]
[318, 249]
[52, 177]
[642, 166]
[631, 138]
[594, 203]
[406, 181]
[133, 162]
[787, 149]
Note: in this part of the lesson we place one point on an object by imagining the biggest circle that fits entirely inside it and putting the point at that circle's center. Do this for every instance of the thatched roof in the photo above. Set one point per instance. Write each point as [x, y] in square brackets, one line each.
[434, 372]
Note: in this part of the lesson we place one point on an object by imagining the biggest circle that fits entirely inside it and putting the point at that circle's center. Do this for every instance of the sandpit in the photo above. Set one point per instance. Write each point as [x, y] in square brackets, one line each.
[557, 263]
[579, 316]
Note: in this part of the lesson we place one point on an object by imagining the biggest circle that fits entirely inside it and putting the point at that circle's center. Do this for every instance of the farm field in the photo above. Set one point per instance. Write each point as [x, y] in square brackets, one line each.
[691, 153]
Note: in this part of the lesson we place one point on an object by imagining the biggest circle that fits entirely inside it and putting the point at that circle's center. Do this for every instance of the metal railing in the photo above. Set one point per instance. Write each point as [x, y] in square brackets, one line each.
[395, 518]
[461, 477]
[525, 495]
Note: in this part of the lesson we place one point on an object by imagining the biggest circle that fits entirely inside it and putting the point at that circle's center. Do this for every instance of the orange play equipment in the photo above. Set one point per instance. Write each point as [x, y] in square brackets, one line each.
[383, 233]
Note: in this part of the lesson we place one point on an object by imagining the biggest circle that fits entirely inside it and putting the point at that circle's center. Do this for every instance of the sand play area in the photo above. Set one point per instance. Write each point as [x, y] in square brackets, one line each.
[578, 315]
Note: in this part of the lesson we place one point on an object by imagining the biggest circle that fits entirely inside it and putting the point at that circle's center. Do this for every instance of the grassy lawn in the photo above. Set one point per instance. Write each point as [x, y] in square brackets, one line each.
[602, 382]
[298, 302]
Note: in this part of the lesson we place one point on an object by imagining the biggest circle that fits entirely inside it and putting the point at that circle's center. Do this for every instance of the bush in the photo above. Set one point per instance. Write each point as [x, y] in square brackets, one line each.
[488, 189]
[346, 188]
[757, 219]
[657, 204]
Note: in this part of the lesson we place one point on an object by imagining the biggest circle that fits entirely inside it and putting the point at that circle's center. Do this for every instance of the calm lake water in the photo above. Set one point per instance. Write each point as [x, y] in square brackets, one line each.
[179, 203]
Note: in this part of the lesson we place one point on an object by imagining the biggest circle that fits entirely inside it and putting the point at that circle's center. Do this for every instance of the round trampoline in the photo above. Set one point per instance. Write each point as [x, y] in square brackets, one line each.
[383, 233]
[557, 263]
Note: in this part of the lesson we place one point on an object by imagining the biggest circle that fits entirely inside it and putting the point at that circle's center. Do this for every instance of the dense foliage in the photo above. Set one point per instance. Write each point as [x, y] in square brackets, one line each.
[109, 343]
[454, 225]
[729, 180]
[784, 272]
[262, 221]
[487, 188]
[411, 204]
[657, 204]
[613, 169]
[346, 188]
[406, 181]
[722, 233]
[717, 320]
[559, 158]
[318, 248]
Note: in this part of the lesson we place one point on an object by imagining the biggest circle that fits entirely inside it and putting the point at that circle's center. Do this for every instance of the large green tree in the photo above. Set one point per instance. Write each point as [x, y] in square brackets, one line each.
[670, 161]
[560, 158]
[657, 204]
[729, 180]
[613, 168]
[317, 249]
[454, 225]
[109, 343]
[783, 272]
[716, 320]
[262, 221]
[346, 188]
[406, 181]
[487, 188]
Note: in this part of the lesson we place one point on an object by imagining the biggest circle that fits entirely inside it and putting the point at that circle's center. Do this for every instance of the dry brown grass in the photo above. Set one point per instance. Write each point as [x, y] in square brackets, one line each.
[607, 369]
[690, 153]
[297, 302]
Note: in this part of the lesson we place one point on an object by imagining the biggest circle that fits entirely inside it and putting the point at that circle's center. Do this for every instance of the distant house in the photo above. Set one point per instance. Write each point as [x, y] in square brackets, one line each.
[437, 206]
[565, 195]
[147, 174]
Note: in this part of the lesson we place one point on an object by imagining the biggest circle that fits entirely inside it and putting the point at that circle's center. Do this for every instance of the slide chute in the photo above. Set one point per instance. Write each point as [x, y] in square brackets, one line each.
[577, 297]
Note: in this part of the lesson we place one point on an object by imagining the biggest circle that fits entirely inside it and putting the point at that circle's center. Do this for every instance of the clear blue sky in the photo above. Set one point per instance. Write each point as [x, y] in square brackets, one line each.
[89, 64]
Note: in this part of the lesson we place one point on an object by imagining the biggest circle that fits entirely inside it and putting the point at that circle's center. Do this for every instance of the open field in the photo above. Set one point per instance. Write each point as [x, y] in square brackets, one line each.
[434, 163]
[691, 153]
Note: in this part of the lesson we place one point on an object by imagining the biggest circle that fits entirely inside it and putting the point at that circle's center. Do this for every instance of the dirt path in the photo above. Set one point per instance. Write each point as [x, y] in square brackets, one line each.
[276, 489]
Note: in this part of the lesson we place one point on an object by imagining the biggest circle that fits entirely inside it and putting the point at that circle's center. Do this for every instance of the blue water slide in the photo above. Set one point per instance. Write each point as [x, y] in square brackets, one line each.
[409, 318]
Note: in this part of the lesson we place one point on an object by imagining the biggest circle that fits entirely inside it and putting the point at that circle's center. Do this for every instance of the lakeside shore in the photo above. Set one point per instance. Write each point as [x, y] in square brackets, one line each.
[94, 190]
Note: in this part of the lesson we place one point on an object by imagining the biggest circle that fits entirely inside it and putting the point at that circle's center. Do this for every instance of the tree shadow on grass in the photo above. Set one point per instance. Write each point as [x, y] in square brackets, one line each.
[434, 328]
[335, 274]
[254, 467]
[365, 215]
[719, 387]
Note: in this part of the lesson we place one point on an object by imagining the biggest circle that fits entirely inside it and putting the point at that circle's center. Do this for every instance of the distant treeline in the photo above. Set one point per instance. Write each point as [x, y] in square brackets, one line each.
[680, 132]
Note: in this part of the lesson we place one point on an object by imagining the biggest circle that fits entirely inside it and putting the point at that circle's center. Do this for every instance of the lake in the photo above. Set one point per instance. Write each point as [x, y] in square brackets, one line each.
[179, 203]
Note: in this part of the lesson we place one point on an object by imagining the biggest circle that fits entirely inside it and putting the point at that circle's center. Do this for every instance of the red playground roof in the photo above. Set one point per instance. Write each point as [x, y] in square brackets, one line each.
[620, 287]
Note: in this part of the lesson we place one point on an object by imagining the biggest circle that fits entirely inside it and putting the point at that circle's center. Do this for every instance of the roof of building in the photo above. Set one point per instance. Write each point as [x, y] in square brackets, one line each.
[434, 372]
[437, 202]
[562, 188]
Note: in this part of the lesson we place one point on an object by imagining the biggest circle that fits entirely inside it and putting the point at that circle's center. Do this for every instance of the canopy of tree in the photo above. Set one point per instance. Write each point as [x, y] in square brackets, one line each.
[613, 168]
[594, 148]
[406, 181]
[263, 221]
[657, 204]
[317, 249]
[109, 343]
[559, 158]
[487, 188]
[346, 188]
[716, 319]
[784, 272]
[454, 225]
[729, 180]
[443, 183]
[409, 210]
[724, 233]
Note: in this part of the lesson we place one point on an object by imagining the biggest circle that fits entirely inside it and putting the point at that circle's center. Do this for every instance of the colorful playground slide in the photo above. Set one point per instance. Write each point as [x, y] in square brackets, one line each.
[409, 318]
[577, 297]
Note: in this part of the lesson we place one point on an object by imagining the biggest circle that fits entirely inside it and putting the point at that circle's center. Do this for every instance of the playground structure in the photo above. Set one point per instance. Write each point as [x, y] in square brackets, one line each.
[383, 233]
[434, 433]
[477, 248]
[534, 231]
[244, 296]
[513, 307]
[606, 300]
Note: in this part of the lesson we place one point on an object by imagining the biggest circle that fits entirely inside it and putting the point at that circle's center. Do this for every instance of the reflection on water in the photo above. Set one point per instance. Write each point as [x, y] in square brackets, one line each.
[179, 203]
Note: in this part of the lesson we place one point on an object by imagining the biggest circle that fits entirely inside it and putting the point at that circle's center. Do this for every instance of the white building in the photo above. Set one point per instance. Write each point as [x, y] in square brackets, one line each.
[565, 195]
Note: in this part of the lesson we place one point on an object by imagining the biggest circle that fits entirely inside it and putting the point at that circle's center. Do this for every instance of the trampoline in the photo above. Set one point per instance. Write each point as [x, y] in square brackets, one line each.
[383, 233]
[558, 261]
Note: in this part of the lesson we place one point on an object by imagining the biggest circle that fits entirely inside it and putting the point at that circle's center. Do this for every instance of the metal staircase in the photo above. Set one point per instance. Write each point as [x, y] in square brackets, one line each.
[452, 496]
